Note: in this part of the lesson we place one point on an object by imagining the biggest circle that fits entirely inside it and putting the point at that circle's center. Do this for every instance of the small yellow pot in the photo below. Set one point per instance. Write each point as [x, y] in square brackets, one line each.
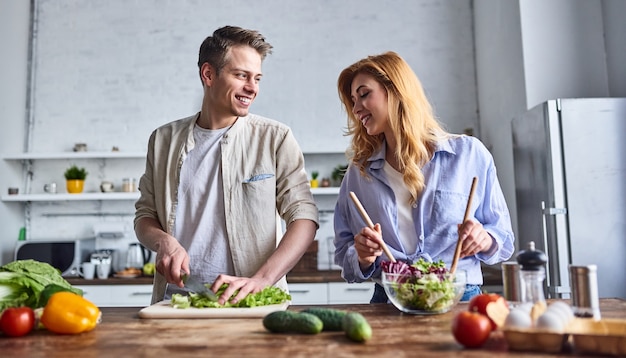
[75, 186]
[314, 183]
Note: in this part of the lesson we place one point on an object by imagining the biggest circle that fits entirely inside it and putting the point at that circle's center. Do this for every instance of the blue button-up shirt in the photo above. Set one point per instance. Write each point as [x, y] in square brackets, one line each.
[436, 215]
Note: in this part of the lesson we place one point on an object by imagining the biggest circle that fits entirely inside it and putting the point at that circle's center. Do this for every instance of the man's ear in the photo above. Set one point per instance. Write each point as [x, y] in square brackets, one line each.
[207, 73]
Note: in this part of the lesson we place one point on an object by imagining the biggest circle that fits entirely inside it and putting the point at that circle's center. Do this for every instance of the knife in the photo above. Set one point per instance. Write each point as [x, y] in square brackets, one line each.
[198, 287]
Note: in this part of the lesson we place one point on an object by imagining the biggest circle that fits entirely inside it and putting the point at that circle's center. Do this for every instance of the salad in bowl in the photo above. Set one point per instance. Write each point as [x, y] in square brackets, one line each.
[423, 287]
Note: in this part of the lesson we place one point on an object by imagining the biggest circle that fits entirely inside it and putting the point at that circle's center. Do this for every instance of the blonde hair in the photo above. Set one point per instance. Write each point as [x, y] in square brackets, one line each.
[411, 118]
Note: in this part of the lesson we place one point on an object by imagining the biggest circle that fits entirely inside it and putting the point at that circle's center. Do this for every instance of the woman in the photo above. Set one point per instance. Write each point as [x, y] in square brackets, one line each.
[413, 179]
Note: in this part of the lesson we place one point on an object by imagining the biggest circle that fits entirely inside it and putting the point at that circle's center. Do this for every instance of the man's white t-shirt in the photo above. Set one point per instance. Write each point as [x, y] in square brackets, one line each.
[200, 225]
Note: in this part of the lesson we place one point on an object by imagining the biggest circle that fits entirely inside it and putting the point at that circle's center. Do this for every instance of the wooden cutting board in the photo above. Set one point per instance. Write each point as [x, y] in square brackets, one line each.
[164, 309]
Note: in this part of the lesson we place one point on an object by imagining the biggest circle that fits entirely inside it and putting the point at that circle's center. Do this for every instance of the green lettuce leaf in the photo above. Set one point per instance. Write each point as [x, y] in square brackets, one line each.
[268, 296]
[22, 281]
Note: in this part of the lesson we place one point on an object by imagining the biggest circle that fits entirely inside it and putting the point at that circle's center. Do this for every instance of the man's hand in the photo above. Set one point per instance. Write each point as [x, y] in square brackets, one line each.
[171, 260]
[245, 286]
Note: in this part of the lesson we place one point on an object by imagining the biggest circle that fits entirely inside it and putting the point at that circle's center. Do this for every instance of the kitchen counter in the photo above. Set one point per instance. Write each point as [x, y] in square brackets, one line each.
[491, 276]
[296, 277]
[123, 334]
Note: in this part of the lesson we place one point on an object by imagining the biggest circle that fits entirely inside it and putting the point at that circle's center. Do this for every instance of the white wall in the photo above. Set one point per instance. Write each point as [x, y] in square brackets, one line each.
[14, 39]
[500, 80]
[112, 71]
[563, 49]
[615, 28]
[515, 47]
[108, 73]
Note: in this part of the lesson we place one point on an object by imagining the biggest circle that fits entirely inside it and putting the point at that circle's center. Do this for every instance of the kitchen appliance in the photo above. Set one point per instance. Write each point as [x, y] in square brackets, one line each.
[65, 255]
[106, 257]
[137, 256]
[570, 181]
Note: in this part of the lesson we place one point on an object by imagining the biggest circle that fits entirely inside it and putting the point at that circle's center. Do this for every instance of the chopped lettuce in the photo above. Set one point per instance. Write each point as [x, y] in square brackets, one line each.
[268, 296]
[429, 293]
[22, 281]
[424, 285]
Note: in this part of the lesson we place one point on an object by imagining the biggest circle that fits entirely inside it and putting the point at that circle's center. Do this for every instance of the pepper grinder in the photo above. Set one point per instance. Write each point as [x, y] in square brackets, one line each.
[532, 274]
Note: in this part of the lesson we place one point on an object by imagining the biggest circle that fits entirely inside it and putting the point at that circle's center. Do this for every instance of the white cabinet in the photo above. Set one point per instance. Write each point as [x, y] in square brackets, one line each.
[118, 295]
[330, 293]
[301, 294]
[308, 293]
[98, 295]
[343, 292]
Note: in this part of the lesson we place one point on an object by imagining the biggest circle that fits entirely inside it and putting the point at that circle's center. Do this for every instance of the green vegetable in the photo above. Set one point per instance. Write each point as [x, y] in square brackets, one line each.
[270, 295]
[23, 281]
[427, 293]
[180, 301]
[356, 327]
[296, 322]
[331, 318]
[50, 290]
[424, 286]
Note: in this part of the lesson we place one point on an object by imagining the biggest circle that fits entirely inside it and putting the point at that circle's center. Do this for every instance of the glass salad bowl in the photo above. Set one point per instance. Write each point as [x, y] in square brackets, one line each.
[424, 293]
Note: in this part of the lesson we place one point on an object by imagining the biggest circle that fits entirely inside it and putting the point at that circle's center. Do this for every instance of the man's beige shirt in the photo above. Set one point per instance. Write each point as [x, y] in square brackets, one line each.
[263, 175]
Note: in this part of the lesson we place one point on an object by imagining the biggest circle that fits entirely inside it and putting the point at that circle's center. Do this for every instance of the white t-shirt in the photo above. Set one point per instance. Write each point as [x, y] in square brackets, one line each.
[406, 227]
[200, 225]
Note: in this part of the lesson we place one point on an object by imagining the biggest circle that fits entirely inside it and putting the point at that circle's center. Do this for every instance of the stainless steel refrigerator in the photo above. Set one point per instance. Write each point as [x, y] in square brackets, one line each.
[570, 181]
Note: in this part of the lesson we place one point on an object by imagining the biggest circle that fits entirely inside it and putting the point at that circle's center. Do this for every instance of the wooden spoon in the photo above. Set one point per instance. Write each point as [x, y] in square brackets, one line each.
[370, 224]
[457, 251]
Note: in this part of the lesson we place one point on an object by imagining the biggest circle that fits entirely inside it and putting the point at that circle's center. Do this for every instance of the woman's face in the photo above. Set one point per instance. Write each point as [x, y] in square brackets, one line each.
[370, 103]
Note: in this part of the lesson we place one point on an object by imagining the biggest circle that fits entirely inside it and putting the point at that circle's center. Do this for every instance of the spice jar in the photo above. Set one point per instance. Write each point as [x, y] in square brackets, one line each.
[532, 274]
[584, 282]
[126, 185]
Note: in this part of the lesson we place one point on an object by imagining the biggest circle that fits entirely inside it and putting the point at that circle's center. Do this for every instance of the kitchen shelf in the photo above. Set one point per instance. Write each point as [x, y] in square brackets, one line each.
[76, 155]
[110, 196]
[71, 197]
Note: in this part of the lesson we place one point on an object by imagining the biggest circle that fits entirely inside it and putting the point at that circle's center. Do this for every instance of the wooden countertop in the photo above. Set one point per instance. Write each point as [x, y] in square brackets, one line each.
[123, 334]
[492, 276]
[295, 277]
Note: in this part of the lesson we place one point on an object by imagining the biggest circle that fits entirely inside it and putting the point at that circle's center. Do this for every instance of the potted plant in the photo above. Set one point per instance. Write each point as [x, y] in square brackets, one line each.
[338, 173]
[314, 181]
[75, 179]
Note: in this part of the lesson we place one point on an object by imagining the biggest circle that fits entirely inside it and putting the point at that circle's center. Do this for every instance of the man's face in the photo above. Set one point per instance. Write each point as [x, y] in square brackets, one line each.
[236, 87]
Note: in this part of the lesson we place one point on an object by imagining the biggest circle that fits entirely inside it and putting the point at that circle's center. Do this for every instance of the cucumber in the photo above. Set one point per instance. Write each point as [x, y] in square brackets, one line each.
[331, 318]
[356, 327]
[295, 322]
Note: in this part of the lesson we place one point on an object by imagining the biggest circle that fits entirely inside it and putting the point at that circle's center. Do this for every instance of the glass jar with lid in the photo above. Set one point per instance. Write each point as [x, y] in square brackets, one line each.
[532, 274]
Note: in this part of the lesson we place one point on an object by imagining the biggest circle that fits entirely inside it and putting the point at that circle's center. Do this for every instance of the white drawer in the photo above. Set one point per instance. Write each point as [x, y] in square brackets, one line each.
[118, 295]
[342, 292]
[98, 295]
[131, 295]
[308, 293]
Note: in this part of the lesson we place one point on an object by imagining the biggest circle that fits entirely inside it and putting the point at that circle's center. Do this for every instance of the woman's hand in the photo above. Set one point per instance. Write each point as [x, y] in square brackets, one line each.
[475, 238]
[367, 245]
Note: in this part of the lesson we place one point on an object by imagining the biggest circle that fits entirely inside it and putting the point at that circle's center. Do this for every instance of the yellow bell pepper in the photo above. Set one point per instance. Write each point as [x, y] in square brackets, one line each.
[69, 313]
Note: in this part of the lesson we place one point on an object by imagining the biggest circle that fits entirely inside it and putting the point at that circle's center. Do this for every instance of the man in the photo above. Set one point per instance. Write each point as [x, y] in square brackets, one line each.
[214, 182]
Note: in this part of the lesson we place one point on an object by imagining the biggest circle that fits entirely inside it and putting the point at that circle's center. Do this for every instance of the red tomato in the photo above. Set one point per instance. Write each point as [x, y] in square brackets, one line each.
[471, 329]
[480, 302]
[17, 321]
